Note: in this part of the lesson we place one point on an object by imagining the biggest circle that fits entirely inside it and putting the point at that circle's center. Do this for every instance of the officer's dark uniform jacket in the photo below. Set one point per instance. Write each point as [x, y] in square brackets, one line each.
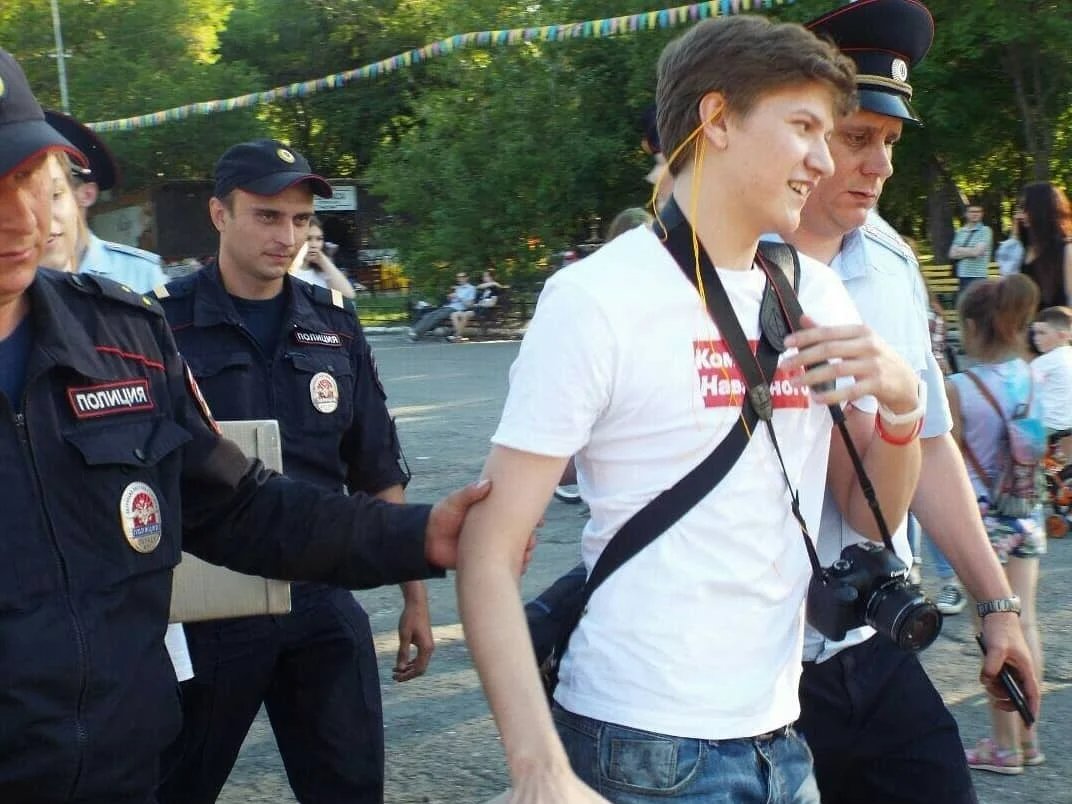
[88, 697]
[349, 442]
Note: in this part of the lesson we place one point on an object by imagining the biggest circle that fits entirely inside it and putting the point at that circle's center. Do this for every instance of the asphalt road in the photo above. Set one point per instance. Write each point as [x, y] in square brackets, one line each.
[442, 745]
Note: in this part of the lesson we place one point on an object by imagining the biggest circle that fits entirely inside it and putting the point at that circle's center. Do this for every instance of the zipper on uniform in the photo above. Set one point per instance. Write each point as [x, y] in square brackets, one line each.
[81, 734]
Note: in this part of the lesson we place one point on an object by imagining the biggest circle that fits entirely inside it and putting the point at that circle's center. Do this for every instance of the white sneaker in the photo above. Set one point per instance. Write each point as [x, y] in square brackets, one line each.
[568, 494]
[950, 600]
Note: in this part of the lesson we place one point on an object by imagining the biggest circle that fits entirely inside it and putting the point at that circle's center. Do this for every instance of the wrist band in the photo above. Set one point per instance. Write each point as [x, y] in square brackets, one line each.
[916, 414]
[898, 441]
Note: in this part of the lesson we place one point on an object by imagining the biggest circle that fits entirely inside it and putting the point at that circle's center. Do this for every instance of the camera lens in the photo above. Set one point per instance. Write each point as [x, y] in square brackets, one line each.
[905, 616]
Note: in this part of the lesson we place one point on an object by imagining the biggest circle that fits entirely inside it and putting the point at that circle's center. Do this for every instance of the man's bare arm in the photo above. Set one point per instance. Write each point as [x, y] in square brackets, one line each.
[947, 510]
[489, 567]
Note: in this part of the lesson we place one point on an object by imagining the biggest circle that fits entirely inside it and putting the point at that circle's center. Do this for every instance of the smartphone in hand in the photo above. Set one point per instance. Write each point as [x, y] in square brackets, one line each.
[1016, 695]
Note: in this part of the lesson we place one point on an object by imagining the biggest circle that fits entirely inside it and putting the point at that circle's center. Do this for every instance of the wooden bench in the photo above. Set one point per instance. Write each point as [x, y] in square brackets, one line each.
[940, 281]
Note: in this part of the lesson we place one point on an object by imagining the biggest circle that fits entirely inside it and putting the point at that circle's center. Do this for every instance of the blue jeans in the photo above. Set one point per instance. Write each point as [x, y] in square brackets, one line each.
[629, 766]
[942, 568]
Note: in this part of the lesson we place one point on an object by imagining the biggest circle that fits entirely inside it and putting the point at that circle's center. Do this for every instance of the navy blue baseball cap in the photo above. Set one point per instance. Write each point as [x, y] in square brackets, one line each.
[24, 132]
[103, 169]
[885, 38]
[265, 167]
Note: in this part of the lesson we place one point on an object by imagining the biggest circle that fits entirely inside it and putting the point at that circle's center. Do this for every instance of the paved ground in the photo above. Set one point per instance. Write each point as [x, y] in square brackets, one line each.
[441, 743]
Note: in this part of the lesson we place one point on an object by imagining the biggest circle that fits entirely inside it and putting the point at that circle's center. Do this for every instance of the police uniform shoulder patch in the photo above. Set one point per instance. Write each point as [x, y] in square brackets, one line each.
[108, 289]
[199, 399]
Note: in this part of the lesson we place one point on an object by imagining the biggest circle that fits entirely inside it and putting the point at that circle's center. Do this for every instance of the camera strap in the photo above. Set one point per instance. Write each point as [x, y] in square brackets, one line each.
[790, 306]
[780, 314]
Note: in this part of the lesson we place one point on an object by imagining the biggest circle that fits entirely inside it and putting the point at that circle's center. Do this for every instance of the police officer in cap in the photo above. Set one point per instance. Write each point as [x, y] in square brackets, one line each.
[265, 345]
[137, 269]
[113, 464]
[878, 729]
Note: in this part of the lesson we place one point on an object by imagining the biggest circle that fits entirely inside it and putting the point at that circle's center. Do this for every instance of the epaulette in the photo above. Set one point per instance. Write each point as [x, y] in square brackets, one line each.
[176, 288]
[106, 288]
[878, 231]
[132, 251]
[329, 298]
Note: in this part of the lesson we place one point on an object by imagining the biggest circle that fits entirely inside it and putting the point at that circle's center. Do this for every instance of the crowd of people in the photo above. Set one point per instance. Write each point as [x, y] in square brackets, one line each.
[790, 359]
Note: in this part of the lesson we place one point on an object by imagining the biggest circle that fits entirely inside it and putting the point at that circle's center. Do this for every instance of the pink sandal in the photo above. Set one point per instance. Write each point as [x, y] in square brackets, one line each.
[986, 756]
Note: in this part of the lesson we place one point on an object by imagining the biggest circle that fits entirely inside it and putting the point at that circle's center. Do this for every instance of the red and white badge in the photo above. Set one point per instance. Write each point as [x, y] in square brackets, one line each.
[324, 392]
[139, 512]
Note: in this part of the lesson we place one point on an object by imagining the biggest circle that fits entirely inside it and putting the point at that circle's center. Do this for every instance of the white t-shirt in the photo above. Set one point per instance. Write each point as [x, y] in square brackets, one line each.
[311, 275]
[700, 634]
[1053, 384]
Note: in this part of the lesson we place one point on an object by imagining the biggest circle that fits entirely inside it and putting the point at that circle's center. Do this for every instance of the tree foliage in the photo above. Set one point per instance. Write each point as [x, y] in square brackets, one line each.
[503, 156]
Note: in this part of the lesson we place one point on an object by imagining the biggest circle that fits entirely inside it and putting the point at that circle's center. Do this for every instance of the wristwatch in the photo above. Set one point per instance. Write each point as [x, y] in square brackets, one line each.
[912, 416]
[1002, 605]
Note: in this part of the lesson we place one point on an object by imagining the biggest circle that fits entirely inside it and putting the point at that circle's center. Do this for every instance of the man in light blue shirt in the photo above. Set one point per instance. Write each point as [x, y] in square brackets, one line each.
[972, 247]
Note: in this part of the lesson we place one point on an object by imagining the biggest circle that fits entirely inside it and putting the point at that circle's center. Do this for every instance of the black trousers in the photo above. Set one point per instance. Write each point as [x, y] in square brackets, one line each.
[879, 730]
[315, 672]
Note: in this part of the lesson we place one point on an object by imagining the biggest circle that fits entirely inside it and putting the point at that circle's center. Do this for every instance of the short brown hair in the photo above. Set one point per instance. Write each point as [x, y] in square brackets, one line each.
[743, 57]
[1060, 318]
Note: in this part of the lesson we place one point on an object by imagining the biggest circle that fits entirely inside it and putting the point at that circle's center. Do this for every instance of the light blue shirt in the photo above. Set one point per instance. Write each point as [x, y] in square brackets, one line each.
[138, 270]
[882, 276]
[1009, 256]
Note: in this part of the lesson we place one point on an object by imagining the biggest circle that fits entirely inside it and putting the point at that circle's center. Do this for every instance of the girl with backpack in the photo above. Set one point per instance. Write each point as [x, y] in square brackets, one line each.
[997, 422]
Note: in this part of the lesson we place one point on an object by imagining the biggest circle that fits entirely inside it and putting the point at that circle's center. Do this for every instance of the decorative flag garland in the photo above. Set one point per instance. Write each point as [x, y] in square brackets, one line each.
[590, 29]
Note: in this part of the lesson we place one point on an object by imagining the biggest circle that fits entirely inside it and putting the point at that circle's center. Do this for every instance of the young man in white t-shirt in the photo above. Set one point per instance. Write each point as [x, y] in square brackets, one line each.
[680, 681]
[1052, 369]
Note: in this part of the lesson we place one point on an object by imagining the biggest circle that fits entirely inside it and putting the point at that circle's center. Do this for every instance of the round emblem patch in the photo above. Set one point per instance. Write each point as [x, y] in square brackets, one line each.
[139, 511]
[900, 69]
[285, 155]
[324, 392]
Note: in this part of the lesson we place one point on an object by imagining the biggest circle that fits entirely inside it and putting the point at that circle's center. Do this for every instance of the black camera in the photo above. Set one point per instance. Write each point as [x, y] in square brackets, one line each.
[869, 585]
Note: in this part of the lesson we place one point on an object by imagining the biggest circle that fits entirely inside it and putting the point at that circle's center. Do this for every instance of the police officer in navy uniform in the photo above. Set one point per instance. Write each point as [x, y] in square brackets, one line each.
[134, 267]
[265, 345]
[112, 464]
[878, 729]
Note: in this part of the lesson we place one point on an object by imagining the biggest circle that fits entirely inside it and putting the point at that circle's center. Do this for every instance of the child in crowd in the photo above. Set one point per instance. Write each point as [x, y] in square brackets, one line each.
[1052, 370]
[1052, 332]
[994, 318]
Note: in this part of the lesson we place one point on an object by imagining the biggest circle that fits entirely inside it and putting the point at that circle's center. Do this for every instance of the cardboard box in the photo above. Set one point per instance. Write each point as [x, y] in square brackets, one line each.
[203, 591]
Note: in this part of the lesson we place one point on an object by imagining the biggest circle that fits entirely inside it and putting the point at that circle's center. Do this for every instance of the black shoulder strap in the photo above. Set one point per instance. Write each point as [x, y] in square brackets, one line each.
[669, 506]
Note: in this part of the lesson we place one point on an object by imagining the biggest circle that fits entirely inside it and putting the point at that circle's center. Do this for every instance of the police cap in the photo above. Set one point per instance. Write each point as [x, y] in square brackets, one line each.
[265, 167]
[884, 38]
[102, 170]
[24, 133]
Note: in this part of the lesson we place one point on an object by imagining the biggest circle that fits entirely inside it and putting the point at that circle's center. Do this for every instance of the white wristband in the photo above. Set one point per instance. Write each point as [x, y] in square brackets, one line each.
[912, 416]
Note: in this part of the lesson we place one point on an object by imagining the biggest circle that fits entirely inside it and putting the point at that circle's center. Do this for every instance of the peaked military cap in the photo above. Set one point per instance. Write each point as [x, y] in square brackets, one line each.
[102, 169]
[885, 38]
